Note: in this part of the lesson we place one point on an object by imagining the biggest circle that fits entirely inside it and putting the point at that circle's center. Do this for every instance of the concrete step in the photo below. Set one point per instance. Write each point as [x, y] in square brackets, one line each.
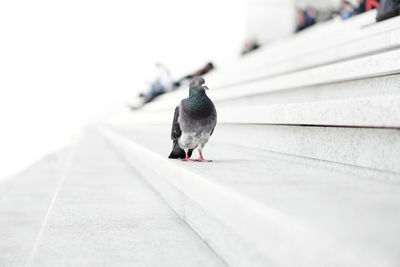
[320, 36]
[378, 65]
[382, 111]
[257, 210]
[286, 56]
[104, 214]
[360, 68]
[331, 30]
[376, 111]
[362, 88]
[359, 56]
[366, 46]
[376, 149]
[24, 203]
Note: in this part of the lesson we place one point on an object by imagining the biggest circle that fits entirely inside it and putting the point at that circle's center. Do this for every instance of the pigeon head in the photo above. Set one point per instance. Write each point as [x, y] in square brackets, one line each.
[198, 105]
[198, 84]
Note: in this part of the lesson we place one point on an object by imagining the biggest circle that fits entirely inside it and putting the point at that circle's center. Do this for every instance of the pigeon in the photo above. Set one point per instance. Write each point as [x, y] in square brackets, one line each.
[194, 122]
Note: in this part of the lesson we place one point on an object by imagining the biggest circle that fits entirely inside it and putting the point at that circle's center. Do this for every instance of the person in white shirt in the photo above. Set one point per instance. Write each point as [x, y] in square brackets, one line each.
[162, 83]
[164, 77]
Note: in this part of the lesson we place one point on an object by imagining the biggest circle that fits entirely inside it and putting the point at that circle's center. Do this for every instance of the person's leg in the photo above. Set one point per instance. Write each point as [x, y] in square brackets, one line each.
[152, 92]
[156, 88]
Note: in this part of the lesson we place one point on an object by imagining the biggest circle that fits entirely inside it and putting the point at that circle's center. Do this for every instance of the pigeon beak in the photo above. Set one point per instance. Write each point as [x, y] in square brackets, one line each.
[205, 87]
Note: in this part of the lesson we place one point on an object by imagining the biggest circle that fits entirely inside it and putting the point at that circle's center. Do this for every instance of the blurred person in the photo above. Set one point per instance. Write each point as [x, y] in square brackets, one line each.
[161, 84]
[346, 10]
[370, 4]
[362, 7]
[204, 70]
[250, 45]
[301, 20]
[305, 18]
[388, 9]
[163, 81]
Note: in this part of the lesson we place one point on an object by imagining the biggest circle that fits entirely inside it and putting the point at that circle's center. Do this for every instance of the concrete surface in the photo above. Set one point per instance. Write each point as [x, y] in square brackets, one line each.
[360, 68]
[380, 111]
[97, 212]
[348, 42]
[24, 202]
[346, 90]
[376, 111]
[255, 210]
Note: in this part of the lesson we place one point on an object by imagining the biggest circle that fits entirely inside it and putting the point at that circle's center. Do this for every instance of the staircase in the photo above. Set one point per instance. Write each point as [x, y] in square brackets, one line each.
[305, 169]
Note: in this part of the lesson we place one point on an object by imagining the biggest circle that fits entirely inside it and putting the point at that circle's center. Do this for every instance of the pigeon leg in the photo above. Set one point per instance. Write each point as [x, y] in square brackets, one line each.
[201, 159]
[187, 157]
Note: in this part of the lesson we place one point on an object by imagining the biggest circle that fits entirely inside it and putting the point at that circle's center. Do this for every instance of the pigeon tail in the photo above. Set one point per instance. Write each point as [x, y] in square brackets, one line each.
[178, 152]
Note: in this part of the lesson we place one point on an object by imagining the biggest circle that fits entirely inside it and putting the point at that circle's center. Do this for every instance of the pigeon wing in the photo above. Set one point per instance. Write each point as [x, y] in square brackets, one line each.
[176, 129]
[176, 132]
[215, 122]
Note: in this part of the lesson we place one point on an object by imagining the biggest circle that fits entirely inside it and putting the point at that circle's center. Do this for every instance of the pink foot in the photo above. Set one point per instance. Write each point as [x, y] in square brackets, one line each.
[187, 158]
[201, 159]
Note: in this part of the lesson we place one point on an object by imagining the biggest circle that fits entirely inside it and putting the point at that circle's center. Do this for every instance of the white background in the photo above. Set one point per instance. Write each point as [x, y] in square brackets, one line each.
[65, 63]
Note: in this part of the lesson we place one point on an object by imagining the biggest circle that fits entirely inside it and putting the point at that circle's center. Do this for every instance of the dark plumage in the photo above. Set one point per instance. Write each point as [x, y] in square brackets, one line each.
[194, 122]
[176, 132]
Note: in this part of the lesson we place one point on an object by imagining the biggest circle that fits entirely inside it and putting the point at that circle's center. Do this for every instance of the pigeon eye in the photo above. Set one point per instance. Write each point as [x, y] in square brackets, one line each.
[196, 83]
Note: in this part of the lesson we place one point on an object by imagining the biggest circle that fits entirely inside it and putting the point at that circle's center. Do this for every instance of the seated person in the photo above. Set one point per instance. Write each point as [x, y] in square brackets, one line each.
[361, 7]
[161, 84]
[204, 70]
[305, 19]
